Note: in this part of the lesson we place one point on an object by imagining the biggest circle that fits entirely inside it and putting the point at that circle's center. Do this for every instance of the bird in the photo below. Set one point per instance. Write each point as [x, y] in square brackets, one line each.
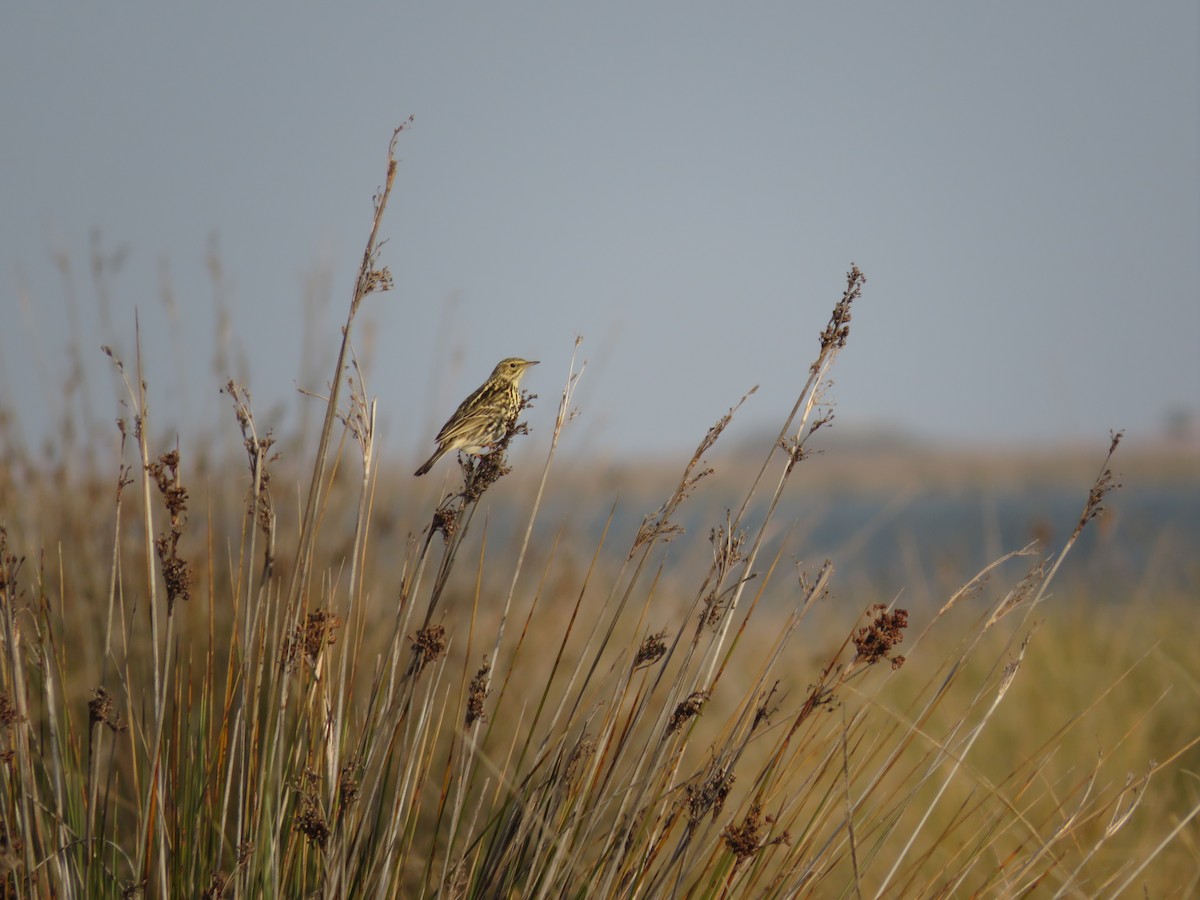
[485, 416]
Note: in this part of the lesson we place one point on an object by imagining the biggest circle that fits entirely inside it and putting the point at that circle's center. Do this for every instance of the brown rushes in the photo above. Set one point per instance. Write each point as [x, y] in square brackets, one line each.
[578, 715]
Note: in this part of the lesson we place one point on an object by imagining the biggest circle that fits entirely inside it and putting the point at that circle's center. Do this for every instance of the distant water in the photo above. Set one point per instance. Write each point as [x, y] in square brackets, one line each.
[956, 533]
[1148, 535]
[979, 525]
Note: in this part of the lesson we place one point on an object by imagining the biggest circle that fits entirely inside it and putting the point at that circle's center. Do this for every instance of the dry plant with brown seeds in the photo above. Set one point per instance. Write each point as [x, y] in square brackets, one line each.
[343, 710]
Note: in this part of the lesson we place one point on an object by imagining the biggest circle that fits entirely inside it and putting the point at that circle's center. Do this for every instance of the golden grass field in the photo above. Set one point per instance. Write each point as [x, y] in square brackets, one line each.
[279, 666]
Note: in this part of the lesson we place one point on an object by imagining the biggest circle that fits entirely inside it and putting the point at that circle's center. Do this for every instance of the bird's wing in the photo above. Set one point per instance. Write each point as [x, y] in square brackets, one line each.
[477, 408]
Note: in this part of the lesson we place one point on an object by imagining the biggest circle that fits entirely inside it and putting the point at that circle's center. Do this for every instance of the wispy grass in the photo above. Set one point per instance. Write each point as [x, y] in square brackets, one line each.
[264, 699]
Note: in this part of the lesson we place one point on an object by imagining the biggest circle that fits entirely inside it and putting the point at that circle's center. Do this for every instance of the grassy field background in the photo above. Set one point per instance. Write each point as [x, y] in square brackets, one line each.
[277, 665]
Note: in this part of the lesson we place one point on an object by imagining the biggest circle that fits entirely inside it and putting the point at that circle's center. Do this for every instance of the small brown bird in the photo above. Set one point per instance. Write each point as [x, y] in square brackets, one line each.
[485, 416]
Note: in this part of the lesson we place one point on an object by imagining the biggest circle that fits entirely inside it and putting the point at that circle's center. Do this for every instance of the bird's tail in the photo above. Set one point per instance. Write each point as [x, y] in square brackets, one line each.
[429, 463]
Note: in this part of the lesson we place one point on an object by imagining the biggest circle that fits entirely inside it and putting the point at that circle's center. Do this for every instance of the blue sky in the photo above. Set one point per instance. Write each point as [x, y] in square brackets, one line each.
[684, 185]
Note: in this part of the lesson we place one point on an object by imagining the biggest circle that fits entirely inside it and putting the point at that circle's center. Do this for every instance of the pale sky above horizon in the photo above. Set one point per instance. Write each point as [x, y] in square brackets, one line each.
[685, 185]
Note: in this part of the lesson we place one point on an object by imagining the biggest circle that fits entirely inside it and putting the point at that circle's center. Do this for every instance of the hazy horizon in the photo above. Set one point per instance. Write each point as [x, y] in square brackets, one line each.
[685, 188]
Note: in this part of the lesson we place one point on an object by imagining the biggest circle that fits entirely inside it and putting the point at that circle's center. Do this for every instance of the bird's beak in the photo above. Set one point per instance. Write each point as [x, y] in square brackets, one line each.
[531, 362]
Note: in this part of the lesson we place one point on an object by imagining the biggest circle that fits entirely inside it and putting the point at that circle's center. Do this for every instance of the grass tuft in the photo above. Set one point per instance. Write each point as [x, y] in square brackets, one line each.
[342, 708]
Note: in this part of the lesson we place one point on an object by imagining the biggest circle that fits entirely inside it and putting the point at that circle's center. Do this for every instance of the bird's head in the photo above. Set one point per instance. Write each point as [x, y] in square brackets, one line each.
[512, 369]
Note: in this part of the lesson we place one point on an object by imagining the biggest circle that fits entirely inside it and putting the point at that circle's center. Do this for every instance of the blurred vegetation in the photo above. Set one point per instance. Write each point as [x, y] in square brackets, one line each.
[275, 665]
